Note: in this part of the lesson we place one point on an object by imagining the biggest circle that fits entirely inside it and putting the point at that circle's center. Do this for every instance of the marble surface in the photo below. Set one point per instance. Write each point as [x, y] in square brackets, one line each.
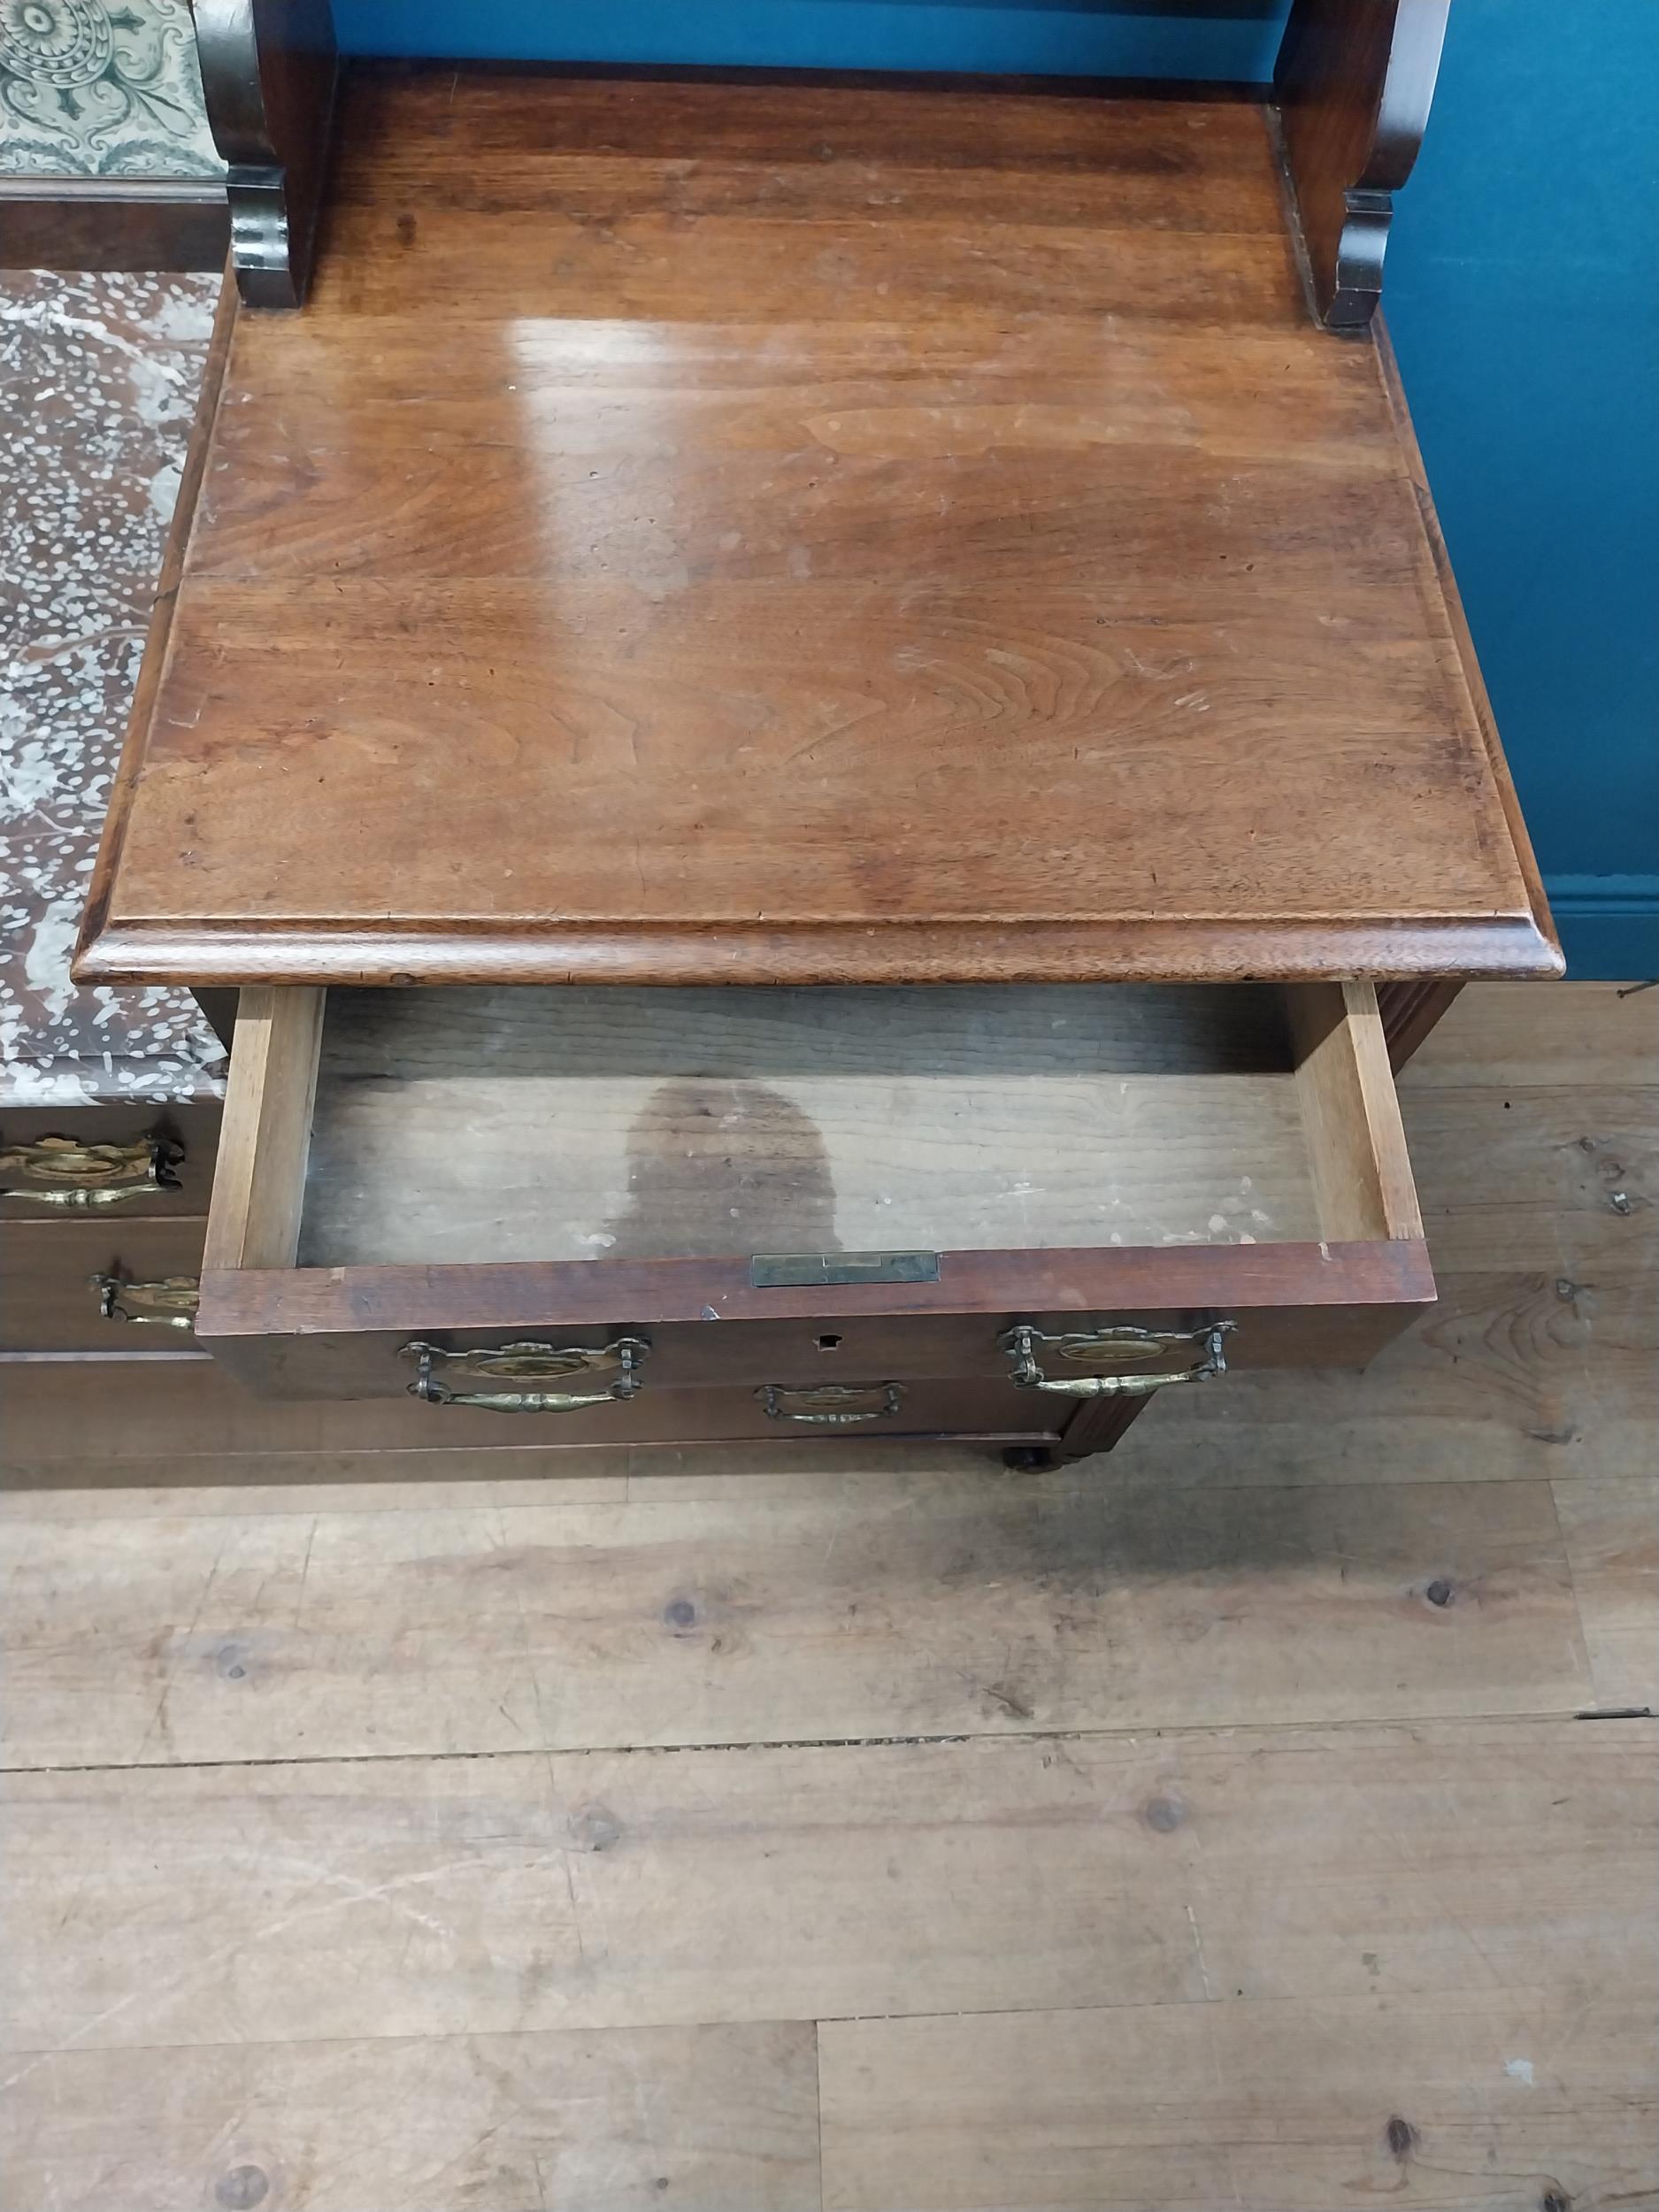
[98, 382]
[102, 88]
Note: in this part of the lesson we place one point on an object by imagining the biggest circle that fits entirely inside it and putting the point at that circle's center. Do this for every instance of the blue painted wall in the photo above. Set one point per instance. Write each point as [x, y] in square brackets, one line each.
[1523, 294]
[1153, 38]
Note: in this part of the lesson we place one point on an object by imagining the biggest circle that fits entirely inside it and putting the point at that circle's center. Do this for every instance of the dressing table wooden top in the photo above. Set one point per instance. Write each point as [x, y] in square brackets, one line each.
[750, 532]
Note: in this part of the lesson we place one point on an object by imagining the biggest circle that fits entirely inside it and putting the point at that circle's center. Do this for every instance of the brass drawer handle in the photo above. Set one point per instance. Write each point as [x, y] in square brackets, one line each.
[530, 1361]
[169, 1304]
[61, 1172]
[824, 1404]
[1023, 1345]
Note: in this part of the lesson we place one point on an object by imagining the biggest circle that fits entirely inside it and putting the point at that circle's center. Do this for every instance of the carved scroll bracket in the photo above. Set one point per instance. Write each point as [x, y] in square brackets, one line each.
[1355, 81]
[268, 73]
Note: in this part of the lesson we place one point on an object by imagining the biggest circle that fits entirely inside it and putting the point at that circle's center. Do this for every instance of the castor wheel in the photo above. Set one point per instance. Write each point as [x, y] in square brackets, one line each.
[1029, 1459]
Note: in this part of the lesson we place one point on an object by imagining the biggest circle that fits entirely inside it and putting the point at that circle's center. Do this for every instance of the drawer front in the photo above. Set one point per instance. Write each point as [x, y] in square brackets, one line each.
[189, 1413]
[119, 1163]
[830, 1350]
[297, 1304]
[994, 1410]
[51, 1298]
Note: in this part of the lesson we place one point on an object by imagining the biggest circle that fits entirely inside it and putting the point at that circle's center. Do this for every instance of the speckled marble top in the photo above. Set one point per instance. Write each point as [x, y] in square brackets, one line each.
[98, 382]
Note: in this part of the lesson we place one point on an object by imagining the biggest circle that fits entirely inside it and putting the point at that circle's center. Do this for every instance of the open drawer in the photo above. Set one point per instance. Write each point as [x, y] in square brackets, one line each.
[707, 1211]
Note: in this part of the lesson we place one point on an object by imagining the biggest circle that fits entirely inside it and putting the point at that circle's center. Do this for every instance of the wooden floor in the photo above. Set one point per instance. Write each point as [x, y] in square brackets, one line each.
[1259, 1819]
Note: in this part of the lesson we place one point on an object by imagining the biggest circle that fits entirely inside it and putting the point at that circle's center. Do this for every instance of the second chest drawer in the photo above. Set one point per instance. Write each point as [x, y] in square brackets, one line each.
[92, 1284]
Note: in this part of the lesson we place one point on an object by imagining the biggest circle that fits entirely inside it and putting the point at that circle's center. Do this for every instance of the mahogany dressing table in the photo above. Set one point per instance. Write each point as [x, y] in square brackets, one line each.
[824, 729]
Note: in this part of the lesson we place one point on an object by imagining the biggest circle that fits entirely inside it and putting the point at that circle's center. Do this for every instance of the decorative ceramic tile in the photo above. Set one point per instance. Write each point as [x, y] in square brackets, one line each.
[102, 88]
[98, 382]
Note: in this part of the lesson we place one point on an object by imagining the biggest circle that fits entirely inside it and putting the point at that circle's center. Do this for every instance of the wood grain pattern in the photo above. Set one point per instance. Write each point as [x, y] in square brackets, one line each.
[47, 1298]
[574, 1126]
[112, 223]
[1458, 656]
[1540, 1143]
[393, 1897]
[1520, 1370]
[1263, 2108]
[1098, 1425]
[1502, 1379]
[1562, 1181]
[1603, 1037]
[265, 1135]
[332, 1331]
[1141, 950]
[348, 1346]
[1611, 1530]
[712, 2119]
[644, 1146]
[209, 1427]
[927, 545]
[1409, 1012]
[971, 1602]
[1189, 1930]
[806, 121]
[1361, 1169]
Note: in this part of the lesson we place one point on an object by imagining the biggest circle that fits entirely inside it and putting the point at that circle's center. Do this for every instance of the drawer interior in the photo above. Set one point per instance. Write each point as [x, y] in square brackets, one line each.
[479, 1125]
